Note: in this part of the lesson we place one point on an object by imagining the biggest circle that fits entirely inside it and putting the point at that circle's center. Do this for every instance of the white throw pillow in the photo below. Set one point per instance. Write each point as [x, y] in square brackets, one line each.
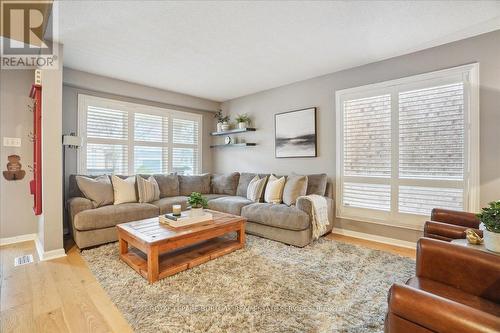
[123, 189]
[255, 188]
[148, 189]
[274, 190]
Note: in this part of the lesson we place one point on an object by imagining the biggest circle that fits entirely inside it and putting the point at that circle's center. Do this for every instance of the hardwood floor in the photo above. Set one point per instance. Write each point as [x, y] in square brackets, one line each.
[59, 295]
[62, 295]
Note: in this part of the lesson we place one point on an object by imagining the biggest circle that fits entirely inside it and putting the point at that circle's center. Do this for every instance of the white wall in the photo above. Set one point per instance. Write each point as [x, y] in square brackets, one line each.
[16, 202]
[320, 92]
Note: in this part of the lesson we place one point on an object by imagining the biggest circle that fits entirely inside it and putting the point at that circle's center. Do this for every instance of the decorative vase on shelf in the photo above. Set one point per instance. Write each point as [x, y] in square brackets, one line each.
[225, 126]
[242, 125]
[219, 127]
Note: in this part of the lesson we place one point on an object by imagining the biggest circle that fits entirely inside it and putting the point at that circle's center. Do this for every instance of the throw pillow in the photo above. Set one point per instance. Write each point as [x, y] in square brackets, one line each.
[124, 189]
[274, 189]
[98, 190]
[168, 184]
[316, 184]
[255, 188]
[295, 186]
[225, 183]
[148, 189]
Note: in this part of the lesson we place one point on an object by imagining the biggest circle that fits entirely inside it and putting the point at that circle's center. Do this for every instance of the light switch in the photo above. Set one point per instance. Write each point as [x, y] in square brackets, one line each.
[11, 142]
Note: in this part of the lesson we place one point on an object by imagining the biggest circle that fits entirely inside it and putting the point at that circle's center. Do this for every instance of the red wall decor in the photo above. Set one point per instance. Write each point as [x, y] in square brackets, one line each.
[36, 183]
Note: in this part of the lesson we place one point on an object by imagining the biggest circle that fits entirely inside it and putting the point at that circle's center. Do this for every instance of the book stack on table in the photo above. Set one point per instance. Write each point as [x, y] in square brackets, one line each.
[184, 219]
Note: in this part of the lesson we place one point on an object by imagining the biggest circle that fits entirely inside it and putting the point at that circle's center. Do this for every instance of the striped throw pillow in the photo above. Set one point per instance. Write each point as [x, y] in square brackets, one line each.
[148, 189]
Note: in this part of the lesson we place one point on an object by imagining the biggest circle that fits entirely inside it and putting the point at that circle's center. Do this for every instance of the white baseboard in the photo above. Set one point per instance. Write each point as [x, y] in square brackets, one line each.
[17, 239]
[48, 255]
[375, 238]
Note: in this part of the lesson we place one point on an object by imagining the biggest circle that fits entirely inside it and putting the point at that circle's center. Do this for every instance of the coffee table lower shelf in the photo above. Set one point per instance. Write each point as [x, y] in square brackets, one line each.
[179, 260]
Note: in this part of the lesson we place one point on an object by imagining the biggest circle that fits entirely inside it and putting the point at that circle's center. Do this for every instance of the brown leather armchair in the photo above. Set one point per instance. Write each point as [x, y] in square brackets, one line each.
[448, 225]
[456, 289]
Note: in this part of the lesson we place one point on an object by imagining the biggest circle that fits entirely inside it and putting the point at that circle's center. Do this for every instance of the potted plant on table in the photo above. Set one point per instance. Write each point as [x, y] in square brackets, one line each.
[222, 121]
[490, 217]
[197, 202]
[243, 120]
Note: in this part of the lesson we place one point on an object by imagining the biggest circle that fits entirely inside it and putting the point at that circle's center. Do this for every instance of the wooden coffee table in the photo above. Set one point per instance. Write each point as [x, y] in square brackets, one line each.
[158, 250]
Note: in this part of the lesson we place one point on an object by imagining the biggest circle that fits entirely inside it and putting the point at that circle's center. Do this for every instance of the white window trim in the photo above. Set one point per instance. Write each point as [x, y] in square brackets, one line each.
[85, 100]
[470, 73]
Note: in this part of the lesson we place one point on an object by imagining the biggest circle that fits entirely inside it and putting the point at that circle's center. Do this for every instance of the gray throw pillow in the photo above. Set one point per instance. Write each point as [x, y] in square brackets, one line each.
[168, 184]
[316, 184]
[295, 186]
[99, 190]
[225, 183]
[190, 184]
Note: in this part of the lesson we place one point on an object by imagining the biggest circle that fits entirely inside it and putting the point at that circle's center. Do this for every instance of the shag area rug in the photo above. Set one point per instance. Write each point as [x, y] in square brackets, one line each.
[328, 286]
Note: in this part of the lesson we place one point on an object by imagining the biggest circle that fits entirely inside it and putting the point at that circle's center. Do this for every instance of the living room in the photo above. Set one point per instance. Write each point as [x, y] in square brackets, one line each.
[250, 166]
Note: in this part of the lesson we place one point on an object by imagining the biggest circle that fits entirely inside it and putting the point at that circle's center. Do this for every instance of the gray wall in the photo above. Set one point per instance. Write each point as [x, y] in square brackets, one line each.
[320, 92]
[76, 82]
[16, 202]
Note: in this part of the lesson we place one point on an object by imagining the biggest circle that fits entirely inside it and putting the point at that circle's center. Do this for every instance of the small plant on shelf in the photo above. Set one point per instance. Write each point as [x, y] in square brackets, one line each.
[196, 200]
[243, 120]
[222, 121]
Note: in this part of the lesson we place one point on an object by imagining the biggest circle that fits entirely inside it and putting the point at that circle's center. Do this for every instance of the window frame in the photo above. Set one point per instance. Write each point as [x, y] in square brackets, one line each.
[469, 75]
[84, 101]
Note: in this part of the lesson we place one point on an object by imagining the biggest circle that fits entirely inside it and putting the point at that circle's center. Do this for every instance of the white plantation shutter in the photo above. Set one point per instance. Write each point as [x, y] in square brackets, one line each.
[185, 151]
[150, 143]
[403, 148]
[367, 136]
[431, 133]
[126, 138]
[107, 134]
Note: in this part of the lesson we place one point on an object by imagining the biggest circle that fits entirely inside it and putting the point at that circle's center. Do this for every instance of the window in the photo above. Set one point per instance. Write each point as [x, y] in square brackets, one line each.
[407, 146]
[127, 138]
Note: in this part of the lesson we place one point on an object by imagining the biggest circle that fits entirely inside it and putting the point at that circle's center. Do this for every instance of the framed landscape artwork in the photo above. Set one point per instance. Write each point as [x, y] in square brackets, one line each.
[295, 133]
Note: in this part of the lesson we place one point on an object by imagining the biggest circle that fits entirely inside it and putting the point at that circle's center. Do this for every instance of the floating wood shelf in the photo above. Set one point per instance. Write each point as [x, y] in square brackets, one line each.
[234, 131]
[246, 144]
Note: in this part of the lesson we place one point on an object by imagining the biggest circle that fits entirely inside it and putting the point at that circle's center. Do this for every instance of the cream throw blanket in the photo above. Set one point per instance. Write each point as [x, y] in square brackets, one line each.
[319, 214]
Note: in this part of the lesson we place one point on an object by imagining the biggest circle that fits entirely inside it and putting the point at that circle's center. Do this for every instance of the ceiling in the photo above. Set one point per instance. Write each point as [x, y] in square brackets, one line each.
[223, 49]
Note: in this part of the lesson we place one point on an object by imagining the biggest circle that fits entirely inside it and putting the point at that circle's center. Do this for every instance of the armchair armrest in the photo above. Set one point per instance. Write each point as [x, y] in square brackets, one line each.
[445, 231]
[463, 219]
[78, 204]
[470, 270]
[305, 206]
[438, 314]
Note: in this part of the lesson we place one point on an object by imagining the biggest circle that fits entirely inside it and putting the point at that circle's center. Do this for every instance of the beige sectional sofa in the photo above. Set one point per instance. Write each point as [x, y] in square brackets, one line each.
[93, 226]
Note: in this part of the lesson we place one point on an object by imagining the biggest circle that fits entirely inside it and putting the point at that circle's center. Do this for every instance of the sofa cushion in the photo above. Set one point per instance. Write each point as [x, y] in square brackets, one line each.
[279, 216]
[225, 183]
[255, 188]
[168, 184]
[165, 204]
[109, 216]
[295, 186]
[245, 179]
[230, 205]
[98, 189]
[316, 184]
[214, 196]
[274, 189]
[124, 189]
[190, 184]
[147, 189]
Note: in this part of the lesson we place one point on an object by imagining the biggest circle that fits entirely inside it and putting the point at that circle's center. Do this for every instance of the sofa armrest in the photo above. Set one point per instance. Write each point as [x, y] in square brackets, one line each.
[463, 219]
[471, 270]
[445, 231]
[305, 205]
[78, 204]
[438, 314]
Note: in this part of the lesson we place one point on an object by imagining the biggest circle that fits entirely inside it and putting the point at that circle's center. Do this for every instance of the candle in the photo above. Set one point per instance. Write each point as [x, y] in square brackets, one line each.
[176, 209]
